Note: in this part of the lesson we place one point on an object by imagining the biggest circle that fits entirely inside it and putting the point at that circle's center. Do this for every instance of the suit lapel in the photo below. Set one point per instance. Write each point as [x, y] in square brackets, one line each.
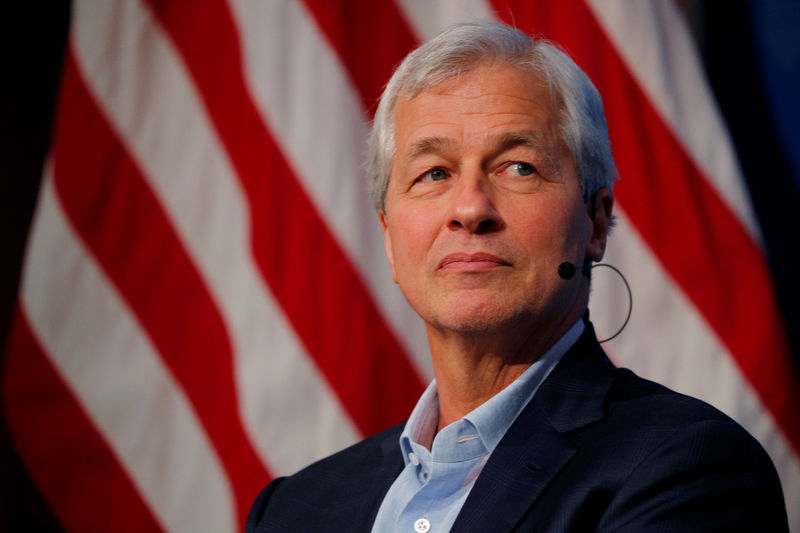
[516, 473]
[384, 471]
[536, 448]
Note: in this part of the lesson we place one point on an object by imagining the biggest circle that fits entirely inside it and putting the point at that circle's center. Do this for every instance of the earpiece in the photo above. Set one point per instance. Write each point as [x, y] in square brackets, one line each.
[566, 270]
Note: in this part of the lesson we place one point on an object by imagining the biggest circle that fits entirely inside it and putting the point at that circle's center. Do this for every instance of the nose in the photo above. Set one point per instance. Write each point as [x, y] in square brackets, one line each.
[472, 207]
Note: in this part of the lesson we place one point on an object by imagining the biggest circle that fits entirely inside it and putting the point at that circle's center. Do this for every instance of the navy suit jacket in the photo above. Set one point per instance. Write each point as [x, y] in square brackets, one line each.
[596, 449]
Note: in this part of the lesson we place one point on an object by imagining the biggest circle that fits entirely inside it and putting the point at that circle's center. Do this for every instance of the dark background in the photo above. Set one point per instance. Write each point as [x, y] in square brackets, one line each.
[751, 52]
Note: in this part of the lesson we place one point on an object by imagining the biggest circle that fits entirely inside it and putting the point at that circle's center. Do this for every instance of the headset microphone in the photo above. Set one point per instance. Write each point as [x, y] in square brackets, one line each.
[566, 270]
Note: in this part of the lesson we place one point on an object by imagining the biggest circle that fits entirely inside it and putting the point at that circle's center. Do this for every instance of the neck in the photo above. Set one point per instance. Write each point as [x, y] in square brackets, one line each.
[471, 367]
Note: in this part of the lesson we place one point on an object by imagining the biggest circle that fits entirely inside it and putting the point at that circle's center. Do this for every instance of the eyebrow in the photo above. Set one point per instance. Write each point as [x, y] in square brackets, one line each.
[512, 139]
[501, 143]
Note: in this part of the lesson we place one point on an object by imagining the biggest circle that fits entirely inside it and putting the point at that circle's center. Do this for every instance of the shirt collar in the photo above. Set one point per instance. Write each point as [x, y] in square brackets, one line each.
[492, 418]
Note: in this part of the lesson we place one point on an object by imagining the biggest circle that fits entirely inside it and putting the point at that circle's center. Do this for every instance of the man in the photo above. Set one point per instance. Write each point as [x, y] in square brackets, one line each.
[492, 173]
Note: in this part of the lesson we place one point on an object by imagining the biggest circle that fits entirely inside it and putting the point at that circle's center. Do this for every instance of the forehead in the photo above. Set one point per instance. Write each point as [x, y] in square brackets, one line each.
[486, 102]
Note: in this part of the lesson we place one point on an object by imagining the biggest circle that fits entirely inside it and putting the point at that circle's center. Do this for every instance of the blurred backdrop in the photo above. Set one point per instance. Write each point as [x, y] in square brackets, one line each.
[194, 294]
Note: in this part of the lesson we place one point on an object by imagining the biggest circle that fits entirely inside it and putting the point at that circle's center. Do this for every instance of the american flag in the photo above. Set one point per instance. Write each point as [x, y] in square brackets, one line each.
[205, 303]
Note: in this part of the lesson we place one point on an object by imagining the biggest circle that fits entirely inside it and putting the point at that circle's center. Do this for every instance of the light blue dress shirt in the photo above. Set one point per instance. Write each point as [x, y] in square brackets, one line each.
[431, 489]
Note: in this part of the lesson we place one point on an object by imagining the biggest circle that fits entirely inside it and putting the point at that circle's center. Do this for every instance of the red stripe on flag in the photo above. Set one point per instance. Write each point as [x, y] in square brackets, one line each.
[697, 238]
[120, 219]
[70, 461]
[311, 277]
[380, 42]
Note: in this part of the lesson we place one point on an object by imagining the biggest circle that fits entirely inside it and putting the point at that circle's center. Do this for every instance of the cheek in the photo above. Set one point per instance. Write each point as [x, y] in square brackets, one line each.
[551, 231]
[410, 245]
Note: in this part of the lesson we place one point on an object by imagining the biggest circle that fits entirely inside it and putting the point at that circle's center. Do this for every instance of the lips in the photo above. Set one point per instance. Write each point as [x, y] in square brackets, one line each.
[472, 262]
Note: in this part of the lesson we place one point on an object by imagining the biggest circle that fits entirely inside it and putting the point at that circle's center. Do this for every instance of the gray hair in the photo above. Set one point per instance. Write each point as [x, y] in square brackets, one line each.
[460, 49]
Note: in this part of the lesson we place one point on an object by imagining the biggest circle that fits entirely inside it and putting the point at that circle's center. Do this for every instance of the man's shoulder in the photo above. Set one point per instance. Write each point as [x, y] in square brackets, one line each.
[587, 380]
[631, 453]
[341, 488]
[638, 406]
[635, 423]
[366, 453]
[659, 423]
[631, 394]
[693, 453]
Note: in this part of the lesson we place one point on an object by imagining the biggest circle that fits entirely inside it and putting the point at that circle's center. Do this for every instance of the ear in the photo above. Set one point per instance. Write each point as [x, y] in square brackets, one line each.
[387, 241]
[601, 220]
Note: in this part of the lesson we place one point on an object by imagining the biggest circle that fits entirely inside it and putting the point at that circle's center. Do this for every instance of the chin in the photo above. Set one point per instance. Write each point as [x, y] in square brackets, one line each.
[480, 317]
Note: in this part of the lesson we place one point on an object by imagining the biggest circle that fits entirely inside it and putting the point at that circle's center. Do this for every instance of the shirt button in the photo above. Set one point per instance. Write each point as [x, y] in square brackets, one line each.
[422, 525]
[413, 458]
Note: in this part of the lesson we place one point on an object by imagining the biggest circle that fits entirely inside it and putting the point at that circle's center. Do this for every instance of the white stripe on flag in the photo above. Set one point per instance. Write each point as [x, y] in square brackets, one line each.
[312, 109]
[112, 369]
[654, 41]
[429, 18]
[280, 390]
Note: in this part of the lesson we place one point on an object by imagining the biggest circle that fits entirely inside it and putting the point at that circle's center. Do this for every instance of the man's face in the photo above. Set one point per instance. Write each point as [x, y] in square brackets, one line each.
[484, 203]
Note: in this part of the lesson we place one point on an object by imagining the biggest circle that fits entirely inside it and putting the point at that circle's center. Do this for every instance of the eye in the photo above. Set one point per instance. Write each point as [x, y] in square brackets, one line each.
[434, 174]
[521, 169]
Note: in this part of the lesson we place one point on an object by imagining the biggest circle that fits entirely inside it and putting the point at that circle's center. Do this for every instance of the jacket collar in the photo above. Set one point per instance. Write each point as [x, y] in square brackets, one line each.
[535, 448]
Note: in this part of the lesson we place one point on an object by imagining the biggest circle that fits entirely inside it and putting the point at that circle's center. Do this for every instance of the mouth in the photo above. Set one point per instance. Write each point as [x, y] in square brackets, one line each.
[477, 262]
